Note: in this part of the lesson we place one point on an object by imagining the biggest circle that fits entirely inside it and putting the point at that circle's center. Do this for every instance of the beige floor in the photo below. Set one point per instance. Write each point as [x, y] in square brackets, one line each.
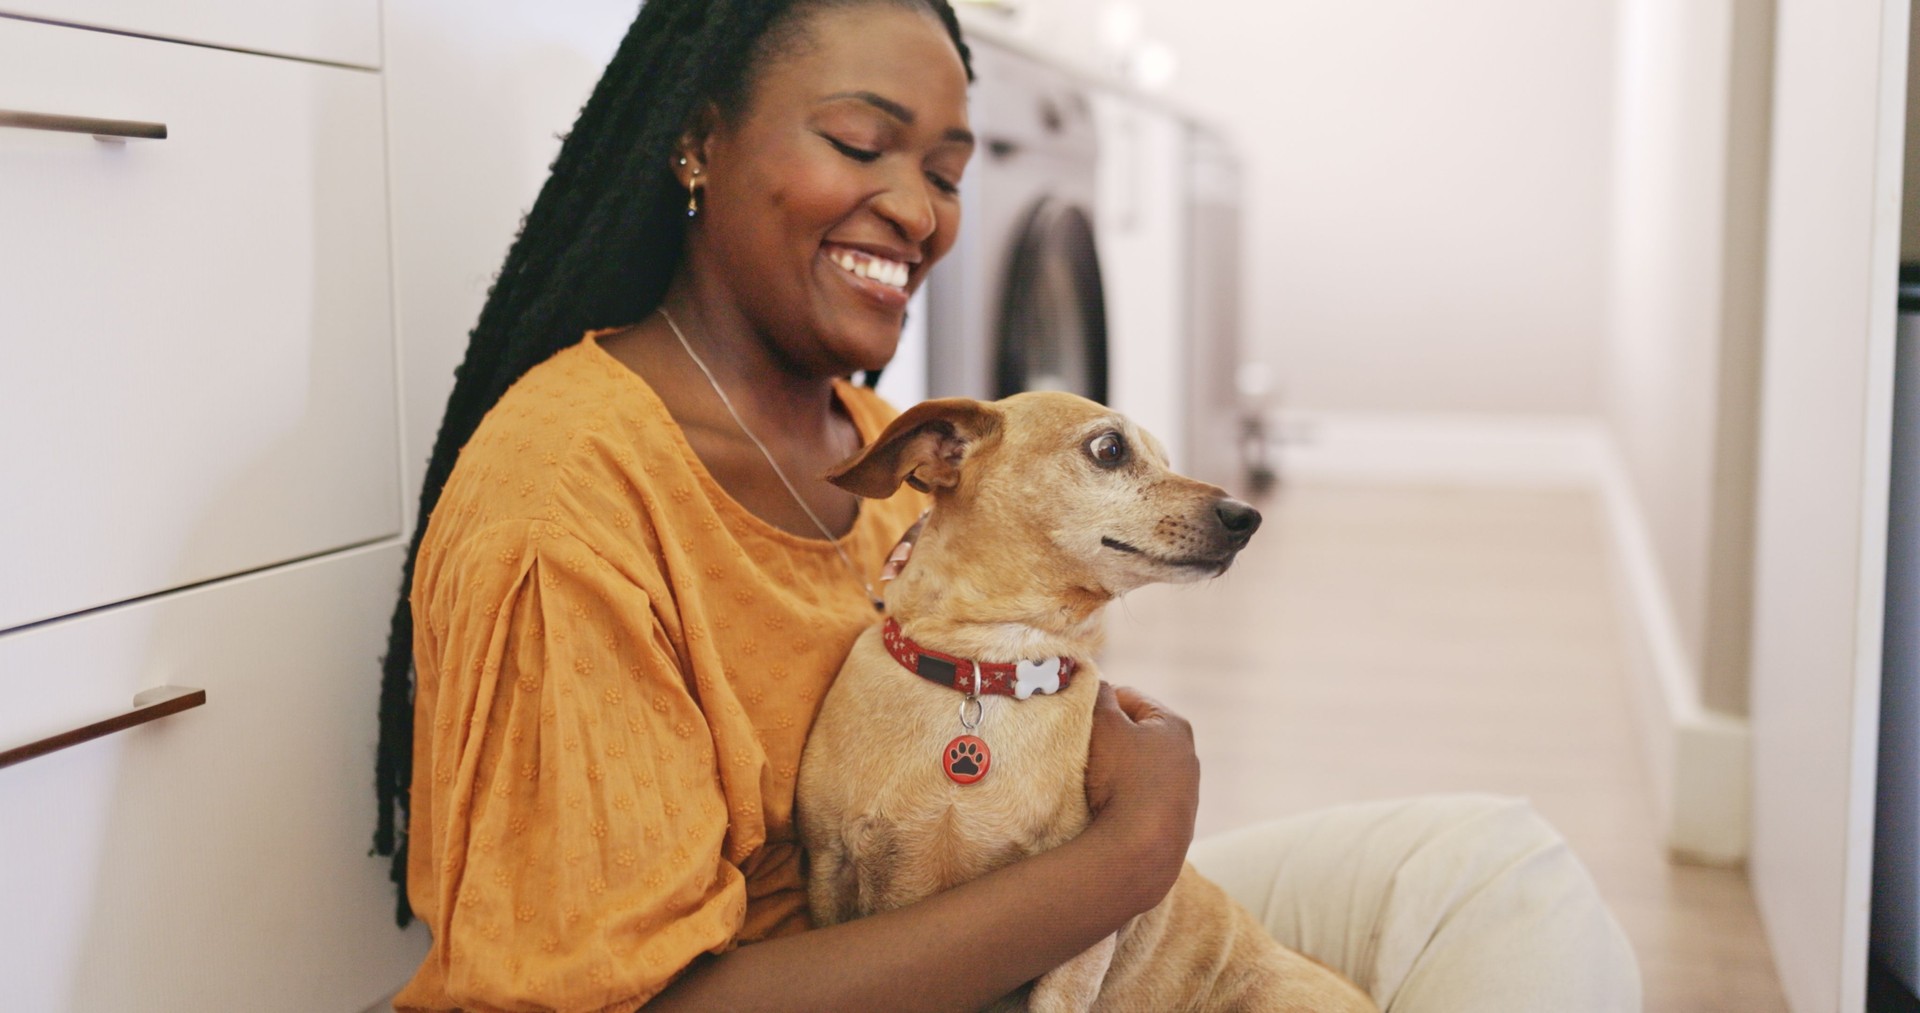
[1376, 642]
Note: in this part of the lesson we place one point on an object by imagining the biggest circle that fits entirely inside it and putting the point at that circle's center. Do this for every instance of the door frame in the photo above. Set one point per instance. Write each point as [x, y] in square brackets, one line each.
[1821, 517]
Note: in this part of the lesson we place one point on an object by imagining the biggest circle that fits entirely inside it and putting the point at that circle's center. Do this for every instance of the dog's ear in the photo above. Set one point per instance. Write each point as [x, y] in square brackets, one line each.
[923, 448]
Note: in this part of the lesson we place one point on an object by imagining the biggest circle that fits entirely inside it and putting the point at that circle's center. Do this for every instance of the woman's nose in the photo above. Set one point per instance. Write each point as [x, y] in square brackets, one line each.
[908, 207]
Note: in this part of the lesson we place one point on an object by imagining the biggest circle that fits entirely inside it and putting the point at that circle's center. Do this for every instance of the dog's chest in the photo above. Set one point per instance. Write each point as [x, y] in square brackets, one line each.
[1033, 794]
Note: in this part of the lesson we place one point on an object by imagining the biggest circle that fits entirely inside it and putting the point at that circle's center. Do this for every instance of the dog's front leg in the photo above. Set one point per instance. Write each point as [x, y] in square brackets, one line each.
[1073, 986]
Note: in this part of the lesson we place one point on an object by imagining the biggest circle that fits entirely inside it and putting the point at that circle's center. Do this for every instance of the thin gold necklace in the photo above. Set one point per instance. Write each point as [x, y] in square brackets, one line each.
[878, 605]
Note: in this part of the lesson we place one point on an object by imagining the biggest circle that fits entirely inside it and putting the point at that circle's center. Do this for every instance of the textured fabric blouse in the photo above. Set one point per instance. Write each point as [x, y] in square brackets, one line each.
[617, 667]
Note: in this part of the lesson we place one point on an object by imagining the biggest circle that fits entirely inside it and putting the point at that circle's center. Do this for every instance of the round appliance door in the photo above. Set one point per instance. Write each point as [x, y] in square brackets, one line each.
[1053, 317]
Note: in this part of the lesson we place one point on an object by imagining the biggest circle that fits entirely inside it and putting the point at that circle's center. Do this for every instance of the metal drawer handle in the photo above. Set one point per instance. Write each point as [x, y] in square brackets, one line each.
[105, 130]
[149, 705]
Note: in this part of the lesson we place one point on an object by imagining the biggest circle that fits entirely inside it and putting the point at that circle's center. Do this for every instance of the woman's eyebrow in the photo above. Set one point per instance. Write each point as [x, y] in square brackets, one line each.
[898, 112]
[880, 102]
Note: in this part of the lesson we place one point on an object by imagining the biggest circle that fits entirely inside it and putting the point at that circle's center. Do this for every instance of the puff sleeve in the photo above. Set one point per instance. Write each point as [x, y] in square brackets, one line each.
[567, 847]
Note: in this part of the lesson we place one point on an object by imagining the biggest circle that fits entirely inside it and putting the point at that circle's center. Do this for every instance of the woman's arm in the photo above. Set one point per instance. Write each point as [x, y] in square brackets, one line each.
[962, 949]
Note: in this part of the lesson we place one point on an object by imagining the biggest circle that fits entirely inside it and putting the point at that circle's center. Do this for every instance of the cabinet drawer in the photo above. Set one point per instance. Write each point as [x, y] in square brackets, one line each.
[196, 354]
[338, 31]
[215, 859]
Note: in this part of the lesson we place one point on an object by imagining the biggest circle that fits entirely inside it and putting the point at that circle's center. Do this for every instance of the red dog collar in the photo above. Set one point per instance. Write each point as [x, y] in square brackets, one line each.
[1020, 679]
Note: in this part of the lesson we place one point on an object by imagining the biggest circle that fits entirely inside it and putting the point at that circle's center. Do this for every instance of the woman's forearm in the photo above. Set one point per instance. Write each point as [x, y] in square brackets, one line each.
[957, 950]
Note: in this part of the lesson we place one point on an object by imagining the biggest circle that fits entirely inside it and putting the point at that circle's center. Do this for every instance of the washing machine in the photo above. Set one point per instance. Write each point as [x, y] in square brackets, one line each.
[1226, 429]
[1018, 304]
[1143, 231]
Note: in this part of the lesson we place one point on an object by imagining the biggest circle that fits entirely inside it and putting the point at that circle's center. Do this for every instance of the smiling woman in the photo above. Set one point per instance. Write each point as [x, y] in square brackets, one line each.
[630, 589]
[822, 204]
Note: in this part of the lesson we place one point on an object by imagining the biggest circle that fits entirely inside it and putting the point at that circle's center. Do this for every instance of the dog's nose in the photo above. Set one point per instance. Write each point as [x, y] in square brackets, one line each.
[1240, 519]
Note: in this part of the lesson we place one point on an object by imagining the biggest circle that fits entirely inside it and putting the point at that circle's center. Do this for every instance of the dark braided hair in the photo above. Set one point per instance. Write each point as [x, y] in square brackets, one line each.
[598, 249]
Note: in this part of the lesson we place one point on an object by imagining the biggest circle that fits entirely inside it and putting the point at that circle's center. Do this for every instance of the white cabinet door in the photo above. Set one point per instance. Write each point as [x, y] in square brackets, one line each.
[336, 31]
[196, 344]
[215, 859]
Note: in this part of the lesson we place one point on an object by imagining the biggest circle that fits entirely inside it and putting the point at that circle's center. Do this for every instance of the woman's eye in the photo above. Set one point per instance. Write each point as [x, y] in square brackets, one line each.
[942, 184]
[1107, 449]
[857, 154]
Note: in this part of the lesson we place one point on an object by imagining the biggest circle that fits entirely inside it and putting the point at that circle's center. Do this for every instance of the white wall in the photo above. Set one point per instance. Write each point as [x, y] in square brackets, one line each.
[1663, 353]
[477, 96]
[1682, 352]
[1427, 189]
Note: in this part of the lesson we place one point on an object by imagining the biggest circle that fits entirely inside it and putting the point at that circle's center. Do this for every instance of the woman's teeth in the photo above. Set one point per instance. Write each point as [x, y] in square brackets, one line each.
[886, 272]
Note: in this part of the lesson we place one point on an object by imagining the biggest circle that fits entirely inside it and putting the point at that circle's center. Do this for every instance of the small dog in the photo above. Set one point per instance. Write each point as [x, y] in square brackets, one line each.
[1046, 507]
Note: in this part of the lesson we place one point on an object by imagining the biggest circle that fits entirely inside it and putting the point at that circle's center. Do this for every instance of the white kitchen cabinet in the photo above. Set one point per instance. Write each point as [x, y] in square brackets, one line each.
[335, 31]
[198, 367]
[215, 859]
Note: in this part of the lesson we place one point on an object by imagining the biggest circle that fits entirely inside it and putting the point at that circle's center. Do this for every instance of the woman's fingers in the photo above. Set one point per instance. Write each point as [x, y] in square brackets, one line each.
[1108, 699]
[1141, 708]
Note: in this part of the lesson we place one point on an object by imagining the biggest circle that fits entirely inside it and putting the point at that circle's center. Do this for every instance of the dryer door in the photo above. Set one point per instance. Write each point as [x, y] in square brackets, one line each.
[1053, 314]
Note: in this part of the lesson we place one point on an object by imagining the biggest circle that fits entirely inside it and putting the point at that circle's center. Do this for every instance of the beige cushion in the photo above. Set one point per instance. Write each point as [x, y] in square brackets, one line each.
[1438, 904]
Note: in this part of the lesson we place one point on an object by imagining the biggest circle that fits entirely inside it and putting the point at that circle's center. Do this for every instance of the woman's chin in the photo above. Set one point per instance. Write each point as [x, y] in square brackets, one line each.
[866, 346]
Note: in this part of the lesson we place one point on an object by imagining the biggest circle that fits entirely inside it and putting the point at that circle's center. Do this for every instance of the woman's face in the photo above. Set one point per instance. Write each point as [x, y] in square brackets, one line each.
[828, 198]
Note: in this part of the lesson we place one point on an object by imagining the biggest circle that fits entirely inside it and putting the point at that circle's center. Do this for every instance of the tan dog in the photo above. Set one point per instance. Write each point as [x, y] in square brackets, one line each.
[1046, 507]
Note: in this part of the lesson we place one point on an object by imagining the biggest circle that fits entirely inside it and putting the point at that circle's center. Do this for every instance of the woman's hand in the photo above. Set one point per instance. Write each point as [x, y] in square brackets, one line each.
[1143, 784]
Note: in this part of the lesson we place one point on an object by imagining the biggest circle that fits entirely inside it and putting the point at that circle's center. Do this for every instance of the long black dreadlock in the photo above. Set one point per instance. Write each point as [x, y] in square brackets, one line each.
[598, 249]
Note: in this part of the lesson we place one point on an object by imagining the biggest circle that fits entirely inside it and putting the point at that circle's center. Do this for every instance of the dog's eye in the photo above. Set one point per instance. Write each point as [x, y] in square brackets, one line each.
[1108, 450]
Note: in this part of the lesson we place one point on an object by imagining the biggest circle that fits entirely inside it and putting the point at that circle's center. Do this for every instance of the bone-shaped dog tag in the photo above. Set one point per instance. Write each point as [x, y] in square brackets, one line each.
[1030, 677]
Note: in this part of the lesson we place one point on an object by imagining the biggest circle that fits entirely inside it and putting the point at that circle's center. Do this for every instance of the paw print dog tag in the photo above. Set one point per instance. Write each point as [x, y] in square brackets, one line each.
[966, 759]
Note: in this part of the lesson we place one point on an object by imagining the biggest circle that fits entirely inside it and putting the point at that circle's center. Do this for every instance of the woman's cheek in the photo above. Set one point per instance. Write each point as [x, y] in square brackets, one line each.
[946, 233]
[820, 189]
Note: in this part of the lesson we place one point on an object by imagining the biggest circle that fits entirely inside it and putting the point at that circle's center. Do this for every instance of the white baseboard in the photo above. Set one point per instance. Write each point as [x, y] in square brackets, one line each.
[1699, 761]
[1440, 448]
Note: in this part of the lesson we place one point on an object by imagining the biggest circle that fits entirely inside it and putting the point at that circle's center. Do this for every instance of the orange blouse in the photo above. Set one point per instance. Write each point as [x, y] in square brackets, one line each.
[617, 667]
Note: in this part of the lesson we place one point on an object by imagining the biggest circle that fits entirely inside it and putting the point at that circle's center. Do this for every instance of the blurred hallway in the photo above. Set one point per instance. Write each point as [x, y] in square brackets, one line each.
[1377, 641]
